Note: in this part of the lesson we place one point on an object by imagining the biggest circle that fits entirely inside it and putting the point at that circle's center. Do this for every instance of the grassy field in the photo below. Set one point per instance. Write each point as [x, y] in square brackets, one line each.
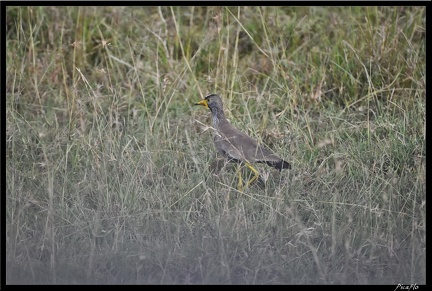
[111, 172]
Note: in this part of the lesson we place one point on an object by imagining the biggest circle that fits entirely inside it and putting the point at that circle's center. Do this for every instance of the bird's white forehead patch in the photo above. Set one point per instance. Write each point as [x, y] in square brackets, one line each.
[209, 96]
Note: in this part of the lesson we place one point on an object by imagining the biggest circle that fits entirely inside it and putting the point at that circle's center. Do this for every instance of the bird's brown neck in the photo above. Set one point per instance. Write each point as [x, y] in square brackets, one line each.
[218, 116]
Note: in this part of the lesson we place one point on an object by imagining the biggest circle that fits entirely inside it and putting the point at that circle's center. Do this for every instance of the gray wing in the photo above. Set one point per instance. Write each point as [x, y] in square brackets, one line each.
[234, 144]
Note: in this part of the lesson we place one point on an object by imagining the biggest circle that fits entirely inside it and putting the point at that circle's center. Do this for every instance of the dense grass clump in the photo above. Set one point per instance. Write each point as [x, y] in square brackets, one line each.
[111, 173]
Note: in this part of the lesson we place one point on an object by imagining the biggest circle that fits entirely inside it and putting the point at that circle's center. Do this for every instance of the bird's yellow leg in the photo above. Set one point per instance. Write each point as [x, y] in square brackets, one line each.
[240, 181]
[254, 177]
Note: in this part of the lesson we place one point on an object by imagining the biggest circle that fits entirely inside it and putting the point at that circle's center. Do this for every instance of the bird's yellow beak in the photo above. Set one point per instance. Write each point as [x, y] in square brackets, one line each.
[203, 103]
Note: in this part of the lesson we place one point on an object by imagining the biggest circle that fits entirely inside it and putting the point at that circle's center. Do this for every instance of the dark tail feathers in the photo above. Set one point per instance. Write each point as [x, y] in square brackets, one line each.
[279, 165]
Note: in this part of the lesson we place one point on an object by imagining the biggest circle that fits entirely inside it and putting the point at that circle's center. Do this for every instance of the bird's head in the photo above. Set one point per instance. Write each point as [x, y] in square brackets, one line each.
[211, 101]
